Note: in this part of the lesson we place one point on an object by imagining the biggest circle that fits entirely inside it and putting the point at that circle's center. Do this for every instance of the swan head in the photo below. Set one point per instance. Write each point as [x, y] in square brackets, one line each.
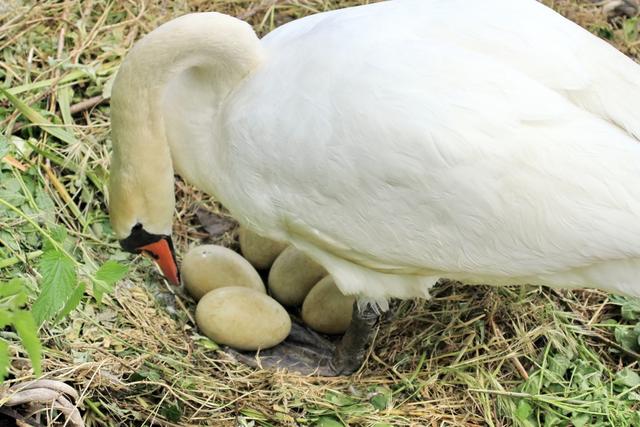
[141, 213]
[157, 246]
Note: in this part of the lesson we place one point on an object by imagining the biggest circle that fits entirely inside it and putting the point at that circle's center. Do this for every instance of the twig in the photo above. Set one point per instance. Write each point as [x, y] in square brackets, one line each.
[10, 160]
[86, 104]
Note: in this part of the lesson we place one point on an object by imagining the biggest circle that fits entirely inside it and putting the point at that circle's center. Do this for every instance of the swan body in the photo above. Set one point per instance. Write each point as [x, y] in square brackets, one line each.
[395, 143]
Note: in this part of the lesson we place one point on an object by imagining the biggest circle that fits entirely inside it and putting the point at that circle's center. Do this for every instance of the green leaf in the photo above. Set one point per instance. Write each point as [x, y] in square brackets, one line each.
[72, 76]
[580, 420]
[36, 118]
[11, 191]
[108, 86]
[629, 307]
[630, 29]
[633, 396]
[57, 286]
[6, 318]
[148, 374]
[111, 271]
[253, 414]
[379, 401]
[13, 295]
[328, 422]
[28, 332]
[4, 359]
[58, 233]
[552, 420]
[630, 310]
[4, 146]
[72, 302]
[558, 364]
[106, 277]
[46, 205]
[208, 343]
[627, 377]
[524, 410]
[382, 398]
[65, 95]
[627, 338]
[172, 412]
[13, 287]
[339, 399]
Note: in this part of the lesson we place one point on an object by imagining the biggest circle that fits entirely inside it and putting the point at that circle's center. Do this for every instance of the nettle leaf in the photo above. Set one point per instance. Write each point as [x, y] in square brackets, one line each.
[57, 286]
[111, 271]
[106, 277]
[57, 233]
[72, 302]
[28, 332]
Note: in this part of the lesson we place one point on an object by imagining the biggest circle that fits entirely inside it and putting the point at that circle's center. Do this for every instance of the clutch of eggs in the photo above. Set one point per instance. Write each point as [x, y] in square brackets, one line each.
[234, 308]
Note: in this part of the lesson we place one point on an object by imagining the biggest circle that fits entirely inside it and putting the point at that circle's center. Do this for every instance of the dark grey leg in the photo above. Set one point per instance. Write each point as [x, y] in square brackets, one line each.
[352, 349]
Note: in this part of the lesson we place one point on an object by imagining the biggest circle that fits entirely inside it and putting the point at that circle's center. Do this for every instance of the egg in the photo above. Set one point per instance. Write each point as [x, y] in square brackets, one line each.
[292, 276]
[326, 309]
[209, 267]
[258, 250]
[242, 318]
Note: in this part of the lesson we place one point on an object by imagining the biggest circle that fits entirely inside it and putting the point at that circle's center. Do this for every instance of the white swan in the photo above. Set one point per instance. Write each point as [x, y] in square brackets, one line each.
[396, 143]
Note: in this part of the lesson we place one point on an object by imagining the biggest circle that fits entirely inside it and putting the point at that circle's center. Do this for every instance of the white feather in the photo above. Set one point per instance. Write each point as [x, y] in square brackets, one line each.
[407, 141]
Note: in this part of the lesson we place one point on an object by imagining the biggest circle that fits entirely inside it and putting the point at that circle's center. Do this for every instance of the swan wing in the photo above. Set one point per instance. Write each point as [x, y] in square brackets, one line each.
[445, 139]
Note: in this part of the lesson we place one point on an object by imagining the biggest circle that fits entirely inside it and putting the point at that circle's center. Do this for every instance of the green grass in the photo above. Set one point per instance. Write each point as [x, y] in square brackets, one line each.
[471, 356]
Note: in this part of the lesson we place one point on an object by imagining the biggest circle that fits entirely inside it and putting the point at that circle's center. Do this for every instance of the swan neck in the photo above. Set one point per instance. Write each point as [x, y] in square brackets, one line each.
[141, 185]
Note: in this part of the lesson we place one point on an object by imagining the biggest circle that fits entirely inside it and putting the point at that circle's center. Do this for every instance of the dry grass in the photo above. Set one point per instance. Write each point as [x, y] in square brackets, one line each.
[462, 358]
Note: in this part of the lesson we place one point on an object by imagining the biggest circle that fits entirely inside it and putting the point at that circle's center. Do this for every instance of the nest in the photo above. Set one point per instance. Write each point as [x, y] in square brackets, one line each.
[466, 357]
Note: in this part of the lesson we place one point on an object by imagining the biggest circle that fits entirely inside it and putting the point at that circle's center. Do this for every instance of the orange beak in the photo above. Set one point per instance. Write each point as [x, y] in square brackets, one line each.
[162, 253]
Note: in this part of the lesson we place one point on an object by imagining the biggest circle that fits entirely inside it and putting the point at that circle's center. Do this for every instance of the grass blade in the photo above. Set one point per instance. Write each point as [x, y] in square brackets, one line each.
[37, 119]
